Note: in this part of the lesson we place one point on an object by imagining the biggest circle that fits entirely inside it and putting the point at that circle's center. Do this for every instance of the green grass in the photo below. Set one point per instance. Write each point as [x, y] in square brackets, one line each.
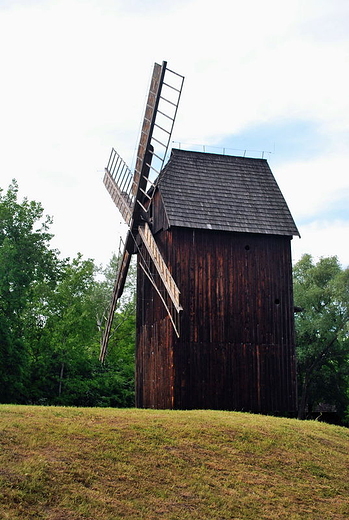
[84, 463]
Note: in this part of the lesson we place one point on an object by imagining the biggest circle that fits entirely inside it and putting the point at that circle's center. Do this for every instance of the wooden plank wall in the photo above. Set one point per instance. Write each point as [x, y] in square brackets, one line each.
[236, 349]
[154, 350]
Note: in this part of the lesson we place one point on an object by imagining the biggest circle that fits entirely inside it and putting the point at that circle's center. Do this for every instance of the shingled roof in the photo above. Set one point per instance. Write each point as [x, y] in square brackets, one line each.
[224, 192]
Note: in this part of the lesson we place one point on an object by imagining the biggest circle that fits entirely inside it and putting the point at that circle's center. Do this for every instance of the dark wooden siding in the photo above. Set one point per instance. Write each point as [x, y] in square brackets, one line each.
[158, 214]
[154, 349]
[236, 348]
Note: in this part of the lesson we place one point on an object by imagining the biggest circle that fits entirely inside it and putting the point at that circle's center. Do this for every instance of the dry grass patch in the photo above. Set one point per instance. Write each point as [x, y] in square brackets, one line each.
[76, 463]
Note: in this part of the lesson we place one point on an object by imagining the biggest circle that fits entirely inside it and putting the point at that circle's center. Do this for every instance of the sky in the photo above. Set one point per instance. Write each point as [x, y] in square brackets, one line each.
[261, 78]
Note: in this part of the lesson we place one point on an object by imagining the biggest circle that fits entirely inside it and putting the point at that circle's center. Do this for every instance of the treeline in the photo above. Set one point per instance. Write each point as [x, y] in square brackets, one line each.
[321, 292]
[52, 313]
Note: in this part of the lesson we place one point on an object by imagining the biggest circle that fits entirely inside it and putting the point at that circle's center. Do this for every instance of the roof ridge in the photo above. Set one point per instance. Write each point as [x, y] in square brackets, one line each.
[196, 152]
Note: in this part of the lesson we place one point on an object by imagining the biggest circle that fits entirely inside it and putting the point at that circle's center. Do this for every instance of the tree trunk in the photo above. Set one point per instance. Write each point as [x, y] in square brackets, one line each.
[304, 398]
[60, 380]
[308, 377]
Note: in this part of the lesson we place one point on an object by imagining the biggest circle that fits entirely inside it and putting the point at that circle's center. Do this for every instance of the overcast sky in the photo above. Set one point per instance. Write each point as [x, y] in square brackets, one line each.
[266, 76]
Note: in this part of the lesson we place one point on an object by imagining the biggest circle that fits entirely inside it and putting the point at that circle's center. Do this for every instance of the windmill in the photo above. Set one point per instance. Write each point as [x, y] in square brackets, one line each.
[212, 233]
[132, 193]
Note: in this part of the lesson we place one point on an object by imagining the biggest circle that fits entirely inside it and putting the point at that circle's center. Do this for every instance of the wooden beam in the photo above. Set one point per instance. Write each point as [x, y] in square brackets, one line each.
[159, 263]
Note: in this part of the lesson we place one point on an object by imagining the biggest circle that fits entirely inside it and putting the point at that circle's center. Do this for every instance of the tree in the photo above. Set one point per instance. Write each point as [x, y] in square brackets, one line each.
[64, 346]
[51, 318]
[25, 261]
[119, 367]
[66, 335]
[321, 290]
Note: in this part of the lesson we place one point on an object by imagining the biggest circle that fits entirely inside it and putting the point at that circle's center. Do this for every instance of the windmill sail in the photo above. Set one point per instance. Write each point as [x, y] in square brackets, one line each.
[118, 180]
[131, 193]
[124, 263]
[148, 121]
[160, 265]
[160, 277]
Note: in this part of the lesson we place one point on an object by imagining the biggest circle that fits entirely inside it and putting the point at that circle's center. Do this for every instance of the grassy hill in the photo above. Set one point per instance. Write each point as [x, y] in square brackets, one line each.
[75, 463]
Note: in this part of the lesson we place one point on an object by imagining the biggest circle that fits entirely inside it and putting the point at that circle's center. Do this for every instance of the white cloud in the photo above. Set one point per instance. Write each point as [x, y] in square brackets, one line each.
[321, 239]
[75, 75]
[313, 186]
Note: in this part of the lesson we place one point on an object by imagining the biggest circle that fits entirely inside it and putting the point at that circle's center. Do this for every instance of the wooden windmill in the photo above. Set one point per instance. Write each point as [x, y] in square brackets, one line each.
[215, 325]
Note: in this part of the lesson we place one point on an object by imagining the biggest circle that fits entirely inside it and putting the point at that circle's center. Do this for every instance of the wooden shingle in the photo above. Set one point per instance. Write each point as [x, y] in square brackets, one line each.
[225, 193]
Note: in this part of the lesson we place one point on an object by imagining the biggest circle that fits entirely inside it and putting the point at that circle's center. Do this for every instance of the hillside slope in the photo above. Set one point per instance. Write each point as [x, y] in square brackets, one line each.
[75, 463]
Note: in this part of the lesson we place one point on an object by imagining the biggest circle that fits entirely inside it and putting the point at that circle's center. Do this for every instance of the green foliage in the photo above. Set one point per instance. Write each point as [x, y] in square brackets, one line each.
[51, 316]
[25, 262]
[322, 291]
[120, 360]
[70, 339]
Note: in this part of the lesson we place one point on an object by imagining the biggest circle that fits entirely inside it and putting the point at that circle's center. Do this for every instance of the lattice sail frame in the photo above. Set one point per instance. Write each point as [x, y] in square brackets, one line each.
[124, 187]
[132, 193]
